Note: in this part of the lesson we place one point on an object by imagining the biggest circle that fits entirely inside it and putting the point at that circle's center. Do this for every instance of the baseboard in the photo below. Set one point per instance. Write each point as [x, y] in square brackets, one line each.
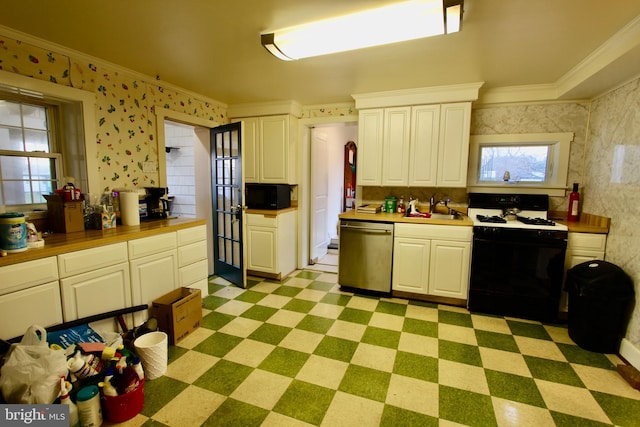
[630, 352]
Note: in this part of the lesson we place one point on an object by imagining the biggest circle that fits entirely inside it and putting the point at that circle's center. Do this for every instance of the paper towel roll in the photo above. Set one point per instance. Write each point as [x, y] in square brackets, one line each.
[129, 208]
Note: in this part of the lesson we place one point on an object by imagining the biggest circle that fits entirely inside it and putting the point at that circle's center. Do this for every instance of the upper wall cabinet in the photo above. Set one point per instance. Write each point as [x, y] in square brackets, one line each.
[269, 149]
[424, 145]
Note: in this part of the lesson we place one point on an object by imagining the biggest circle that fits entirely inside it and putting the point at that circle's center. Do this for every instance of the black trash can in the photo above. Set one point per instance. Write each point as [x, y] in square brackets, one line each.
[601, 298]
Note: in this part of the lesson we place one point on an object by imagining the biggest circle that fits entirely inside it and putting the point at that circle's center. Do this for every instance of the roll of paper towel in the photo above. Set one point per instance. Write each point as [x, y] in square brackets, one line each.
[129, 208]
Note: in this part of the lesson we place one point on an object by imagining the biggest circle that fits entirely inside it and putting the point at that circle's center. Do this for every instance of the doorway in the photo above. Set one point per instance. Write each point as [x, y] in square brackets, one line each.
[327, 191]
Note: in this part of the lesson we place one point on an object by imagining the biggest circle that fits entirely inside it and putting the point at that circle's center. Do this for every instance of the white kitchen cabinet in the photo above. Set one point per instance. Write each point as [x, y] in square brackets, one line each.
[432, 260]
[193, 269]
[370, 128]
[425, 145]
[581, 247]
[94, 281]
[29, 294]
[153, 265]
[271, 244]
[395, 146]
[453, 145]
[269, 149]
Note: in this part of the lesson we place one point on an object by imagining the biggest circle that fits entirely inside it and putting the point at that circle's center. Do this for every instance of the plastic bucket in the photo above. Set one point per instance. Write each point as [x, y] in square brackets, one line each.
[153, 350]
[13, 232]
[124, 407]
[390, 204]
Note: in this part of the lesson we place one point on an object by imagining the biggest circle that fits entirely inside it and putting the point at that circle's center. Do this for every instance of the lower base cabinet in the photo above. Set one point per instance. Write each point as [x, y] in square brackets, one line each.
[42, 302]
[432, 260]
[151, 277]
[271, 244]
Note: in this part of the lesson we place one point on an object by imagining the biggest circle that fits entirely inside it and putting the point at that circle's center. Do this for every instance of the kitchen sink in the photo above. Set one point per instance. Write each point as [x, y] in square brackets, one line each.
[439, 216]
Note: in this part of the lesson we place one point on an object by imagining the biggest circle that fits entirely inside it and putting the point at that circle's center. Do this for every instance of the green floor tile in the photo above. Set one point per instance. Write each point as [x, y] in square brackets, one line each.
[381, 337]
[355, 315]
[423, 304]
[235, 413]
[317, 285]
[514, 387]
[336, 299]
[553, 370]
[420, 327]
[223, 377]
[159, 392]
[621, 411]
[215, 320]
[175, 352]
[495, 340]
[313, 275]
[299, 305]
[271, 334]
[416, 366]
[455, 318]
[305, 402]
[315, 324]
[393, 416]
[287, 291]
[575, 354]
[218, 344]
[252, 282]
[259, 312]
[571, 421]
[391, 308]
[336, 348]
[457, 352]
[250, 296]
[531, 330]
[466, 408]
[284, 361]
[365, 382]
[214, 287]
[212, 302]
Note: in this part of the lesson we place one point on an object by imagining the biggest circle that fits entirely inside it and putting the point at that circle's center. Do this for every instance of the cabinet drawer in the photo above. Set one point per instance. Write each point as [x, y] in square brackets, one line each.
[587, 241]
[260, 220]
[27, 274]
[91, 259]
[152, 245]
[192, 235]
[39, 305]
[427, 231]
[189, 254]
[193, 273]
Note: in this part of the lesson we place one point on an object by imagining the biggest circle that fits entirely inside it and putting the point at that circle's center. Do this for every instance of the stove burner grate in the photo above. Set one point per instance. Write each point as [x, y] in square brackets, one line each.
[493, 219]
[535, 221]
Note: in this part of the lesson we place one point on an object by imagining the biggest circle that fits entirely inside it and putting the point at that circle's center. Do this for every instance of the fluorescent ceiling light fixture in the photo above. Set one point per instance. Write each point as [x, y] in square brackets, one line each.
[397, 22]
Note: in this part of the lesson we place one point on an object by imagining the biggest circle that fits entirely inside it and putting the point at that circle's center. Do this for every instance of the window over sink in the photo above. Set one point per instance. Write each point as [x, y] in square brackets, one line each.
[524, 163]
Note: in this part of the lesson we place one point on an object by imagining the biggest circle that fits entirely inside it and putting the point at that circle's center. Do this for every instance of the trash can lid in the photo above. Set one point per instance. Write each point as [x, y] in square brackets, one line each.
[600, 278]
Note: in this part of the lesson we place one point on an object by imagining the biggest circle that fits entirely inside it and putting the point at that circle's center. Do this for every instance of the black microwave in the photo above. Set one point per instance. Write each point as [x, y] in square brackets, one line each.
[267, 196]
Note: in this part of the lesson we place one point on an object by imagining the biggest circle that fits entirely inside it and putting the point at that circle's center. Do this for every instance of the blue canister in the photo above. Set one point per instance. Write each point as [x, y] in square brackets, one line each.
[13, 232]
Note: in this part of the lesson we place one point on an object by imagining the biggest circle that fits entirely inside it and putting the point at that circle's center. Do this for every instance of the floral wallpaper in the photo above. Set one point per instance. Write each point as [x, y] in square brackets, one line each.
[329, 111]
[125, 106]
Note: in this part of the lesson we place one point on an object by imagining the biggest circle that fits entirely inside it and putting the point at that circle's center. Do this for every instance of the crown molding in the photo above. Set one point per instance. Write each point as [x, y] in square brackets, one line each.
[417, 96]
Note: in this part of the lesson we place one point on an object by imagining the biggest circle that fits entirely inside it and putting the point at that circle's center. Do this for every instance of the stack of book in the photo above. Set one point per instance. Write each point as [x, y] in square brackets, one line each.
[368, 209]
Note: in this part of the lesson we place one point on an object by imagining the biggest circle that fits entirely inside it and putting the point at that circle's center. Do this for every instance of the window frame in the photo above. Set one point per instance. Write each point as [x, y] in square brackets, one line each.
[558, 163]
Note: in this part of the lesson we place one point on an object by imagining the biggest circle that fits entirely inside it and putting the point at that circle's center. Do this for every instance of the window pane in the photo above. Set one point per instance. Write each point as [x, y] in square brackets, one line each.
[40, 188]
[514, 163]
[11, 139]
[36, 140]
[42, 169]
[35, 117]
[14, 167]
[9, 113]
[16, 192]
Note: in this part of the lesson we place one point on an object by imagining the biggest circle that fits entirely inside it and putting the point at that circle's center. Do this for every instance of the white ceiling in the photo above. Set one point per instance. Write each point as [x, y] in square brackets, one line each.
[562, 48]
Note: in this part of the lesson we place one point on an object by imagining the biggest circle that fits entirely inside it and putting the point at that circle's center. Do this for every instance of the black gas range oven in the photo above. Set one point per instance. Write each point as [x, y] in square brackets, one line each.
[517, 258]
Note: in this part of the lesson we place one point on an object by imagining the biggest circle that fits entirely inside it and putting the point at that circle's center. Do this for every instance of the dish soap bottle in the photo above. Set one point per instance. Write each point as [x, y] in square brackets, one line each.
[65, 389]
[574, 203]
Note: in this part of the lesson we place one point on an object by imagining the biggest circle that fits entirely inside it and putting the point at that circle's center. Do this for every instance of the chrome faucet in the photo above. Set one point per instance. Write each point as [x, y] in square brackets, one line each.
[433, 203]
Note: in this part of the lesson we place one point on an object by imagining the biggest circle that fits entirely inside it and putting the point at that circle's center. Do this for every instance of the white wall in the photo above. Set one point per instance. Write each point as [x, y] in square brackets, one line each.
[180, 169]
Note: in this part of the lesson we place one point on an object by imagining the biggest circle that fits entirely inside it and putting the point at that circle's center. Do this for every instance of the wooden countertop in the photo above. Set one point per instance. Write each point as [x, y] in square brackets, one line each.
[269, 212]
[587, 223]
[401, 218]
[59, 243]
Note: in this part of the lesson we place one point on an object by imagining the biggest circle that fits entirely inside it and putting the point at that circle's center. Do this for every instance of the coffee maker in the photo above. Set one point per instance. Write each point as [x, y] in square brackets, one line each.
[157, 205]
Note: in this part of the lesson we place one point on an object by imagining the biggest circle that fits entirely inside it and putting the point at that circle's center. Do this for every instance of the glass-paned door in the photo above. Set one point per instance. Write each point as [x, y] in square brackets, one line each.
[227, 202]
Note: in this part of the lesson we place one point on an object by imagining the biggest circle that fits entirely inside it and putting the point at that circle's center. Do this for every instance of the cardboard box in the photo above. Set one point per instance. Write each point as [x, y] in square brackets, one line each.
[179, 313]
[64, 216]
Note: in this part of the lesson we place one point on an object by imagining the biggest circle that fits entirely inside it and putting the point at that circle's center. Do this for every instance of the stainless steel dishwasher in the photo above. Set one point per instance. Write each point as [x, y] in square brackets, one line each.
[365, 255]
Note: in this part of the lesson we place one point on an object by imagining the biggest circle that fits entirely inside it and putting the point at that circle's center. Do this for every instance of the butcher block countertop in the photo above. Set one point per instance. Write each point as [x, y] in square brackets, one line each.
[587, 223]
[59, 243]
[401, 218]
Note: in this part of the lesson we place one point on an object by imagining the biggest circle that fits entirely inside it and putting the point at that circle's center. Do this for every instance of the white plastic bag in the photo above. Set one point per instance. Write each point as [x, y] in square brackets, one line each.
[31, 374]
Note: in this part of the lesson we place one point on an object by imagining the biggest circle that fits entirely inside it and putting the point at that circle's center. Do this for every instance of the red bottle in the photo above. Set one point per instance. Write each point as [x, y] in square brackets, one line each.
[574, 204]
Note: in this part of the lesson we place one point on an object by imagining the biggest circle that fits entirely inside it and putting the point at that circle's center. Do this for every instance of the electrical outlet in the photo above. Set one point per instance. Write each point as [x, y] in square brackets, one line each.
[149, 167]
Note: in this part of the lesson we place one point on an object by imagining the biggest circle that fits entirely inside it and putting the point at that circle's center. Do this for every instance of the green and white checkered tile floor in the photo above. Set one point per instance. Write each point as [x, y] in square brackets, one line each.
[301, 352]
